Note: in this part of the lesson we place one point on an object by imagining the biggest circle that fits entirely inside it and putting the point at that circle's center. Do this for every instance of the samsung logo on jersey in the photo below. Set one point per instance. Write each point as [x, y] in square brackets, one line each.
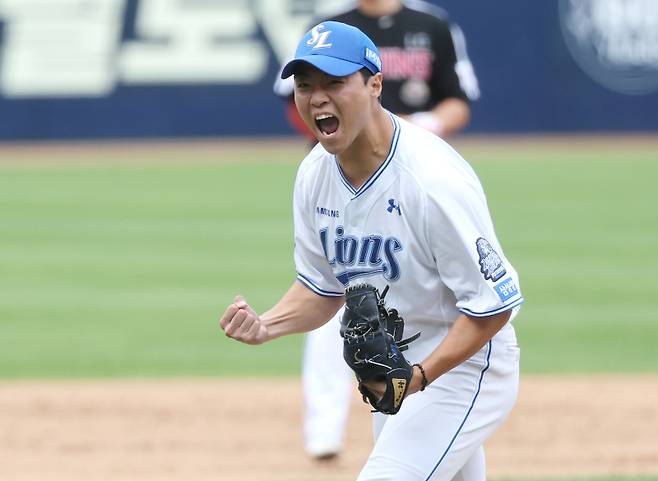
[327, 212]
[361, 256]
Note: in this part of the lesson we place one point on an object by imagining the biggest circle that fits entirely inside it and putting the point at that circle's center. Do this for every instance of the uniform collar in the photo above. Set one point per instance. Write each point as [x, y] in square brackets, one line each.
[372, 180]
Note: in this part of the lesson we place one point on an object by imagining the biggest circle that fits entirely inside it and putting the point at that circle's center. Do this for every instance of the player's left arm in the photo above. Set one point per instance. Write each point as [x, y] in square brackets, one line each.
[472, 265]
[466, 337]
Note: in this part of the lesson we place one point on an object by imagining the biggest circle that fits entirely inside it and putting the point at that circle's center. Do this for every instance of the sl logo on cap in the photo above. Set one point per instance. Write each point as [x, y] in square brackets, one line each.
[319, 39]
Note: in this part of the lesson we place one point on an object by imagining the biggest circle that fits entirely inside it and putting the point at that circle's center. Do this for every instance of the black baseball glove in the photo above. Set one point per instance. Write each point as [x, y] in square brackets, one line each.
[372, 345]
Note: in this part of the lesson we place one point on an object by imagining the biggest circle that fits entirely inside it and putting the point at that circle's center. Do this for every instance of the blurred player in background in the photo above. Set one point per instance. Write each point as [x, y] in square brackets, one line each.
[430, 82]
[429, 78]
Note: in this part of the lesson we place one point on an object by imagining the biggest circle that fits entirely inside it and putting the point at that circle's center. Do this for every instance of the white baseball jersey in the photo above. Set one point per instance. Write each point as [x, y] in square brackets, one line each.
[420, 224]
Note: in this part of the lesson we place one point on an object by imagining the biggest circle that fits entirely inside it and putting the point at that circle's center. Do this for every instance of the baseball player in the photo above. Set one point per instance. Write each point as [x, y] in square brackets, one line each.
[430, 82]
[382, 201]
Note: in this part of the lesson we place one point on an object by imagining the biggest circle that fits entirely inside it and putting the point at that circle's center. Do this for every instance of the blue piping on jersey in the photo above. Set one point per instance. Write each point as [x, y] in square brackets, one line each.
[311, 285]
[345, 277]
[493, 312]
[378, 172]
[477, 393]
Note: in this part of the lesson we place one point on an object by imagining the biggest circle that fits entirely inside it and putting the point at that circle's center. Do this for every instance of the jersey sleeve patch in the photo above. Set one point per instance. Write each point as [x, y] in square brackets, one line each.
[506, 289]
[491, 264]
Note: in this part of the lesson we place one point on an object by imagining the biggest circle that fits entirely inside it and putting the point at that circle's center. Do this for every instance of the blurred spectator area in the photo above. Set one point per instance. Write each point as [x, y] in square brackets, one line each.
[88, 69]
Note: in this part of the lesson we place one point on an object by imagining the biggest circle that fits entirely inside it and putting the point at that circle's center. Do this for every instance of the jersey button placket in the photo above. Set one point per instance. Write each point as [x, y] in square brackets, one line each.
[349, 219]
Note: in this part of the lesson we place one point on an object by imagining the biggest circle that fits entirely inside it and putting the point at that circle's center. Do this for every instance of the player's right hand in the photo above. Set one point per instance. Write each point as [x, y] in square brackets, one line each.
[242, 323]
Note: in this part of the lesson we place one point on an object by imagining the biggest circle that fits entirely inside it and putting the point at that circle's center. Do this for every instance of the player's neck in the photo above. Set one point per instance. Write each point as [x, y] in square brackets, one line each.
[369, 150]
[379, 8]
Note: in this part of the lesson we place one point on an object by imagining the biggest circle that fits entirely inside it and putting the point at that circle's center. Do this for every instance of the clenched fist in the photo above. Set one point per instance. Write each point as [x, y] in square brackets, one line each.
[240, 322]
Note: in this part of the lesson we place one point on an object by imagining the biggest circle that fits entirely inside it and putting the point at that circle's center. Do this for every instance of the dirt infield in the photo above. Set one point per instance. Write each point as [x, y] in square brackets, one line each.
[249, 430]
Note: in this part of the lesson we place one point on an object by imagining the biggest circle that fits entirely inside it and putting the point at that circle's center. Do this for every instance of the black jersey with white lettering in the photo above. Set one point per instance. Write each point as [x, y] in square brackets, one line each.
[419, 56]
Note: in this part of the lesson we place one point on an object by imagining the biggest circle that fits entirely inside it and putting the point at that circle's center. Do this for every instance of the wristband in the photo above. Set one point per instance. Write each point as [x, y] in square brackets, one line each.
[423, 382]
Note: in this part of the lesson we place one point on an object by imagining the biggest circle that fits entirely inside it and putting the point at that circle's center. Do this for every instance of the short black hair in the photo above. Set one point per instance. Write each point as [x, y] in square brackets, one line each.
[366, 74]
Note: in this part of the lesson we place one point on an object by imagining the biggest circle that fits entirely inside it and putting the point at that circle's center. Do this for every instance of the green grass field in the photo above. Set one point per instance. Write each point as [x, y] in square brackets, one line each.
[623, 478]
[122, 268]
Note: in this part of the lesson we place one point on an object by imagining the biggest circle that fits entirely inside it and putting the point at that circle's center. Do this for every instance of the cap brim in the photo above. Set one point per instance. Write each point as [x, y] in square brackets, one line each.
[329, 65]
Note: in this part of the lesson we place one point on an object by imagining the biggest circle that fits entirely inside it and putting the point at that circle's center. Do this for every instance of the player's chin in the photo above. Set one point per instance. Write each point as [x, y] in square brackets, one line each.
[332, 143]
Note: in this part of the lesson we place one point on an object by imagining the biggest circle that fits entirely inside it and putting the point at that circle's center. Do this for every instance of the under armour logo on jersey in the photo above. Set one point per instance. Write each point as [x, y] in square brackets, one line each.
[393, 206]
[319, 39]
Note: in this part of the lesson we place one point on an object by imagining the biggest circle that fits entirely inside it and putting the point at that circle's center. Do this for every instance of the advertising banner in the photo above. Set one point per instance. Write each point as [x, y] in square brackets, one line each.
[84, 69]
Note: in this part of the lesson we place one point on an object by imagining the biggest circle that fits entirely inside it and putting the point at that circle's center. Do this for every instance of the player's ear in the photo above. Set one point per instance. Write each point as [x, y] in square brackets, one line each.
[375, 84]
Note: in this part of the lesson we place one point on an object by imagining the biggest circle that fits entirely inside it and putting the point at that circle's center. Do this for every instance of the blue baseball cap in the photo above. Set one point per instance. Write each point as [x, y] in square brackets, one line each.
[337, 49]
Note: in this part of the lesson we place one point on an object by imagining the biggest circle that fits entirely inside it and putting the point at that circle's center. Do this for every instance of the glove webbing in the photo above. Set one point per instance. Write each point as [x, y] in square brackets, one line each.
[394, 324]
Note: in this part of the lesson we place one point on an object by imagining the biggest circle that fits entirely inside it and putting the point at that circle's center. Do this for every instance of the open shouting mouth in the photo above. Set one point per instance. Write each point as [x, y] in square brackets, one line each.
[327, 124]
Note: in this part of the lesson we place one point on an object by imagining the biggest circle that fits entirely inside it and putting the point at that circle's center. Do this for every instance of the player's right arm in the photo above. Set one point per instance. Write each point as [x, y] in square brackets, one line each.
[299, 310]
[316, 295]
